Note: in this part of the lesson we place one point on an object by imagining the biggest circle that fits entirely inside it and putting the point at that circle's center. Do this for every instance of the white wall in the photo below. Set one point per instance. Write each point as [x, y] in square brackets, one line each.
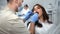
[45, 3]
[2, 4]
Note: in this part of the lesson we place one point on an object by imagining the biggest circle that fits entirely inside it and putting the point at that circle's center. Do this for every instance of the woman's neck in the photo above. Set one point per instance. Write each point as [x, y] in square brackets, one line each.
[41, 19]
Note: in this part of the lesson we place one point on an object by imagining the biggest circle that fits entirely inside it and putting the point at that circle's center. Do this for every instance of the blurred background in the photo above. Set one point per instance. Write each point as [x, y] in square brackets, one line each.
[52, 7]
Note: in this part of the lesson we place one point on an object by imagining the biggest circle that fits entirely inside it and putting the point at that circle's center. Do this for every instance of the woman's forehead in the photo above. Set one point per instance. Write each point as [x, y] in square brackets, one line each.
[36, 7]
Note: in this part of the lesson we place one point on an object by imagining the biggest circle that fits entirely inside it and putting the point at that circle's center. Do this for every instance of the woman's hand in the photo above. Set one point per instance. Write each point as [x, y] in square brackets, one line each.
[32, 28]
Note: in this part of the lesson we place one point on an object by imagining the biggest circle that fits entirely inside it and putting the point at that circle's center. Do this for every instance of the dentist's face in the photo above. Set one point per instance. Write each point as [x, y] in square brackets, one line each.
[17, 3]
[20, 2]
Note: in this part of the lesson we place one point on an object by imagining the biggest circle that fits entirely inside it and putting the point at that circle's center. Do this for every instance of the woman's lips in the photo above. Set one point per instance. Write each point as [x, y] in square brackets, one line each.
[37, 12]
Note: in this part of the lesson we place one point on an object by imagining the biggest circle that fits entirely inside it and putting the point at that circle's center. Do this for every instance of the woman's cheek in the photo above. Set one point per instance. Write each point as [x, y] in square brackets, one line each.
[40, 13]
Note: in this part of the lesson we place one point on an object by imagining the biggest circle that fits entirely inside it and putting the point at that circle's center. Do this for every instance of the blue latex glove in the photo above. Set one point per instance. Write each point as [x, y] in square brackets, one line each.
[34, 18]
[27, 15]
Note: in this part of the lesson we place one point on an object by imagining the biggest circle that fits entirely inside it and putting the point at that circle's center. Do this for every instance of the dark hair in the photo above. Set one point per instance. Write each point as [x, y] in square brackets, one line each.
[45, 15]
[9, 1]
[26, 5]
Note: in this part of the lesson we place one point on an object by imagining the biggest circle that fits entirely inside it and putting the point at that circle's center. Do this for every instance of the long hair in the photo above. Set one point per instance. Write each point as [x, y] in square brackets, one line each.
[44, 14]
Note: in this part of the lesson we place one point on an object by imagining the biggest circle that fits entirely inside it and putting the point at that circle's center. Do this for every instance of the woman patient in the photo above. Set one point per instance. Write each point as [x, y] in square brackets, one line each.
[42, 25]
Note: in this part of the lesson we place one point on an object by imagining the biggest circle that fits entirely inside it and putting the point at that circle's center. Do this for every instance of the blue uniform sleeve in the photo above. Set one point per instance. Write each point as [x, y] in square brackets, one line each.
[34, 18]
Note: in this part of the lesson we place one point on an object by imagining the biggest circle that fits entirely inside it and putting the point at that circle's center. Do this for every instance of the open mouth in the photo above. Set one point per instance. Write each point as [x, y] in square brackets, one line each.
[37, 12]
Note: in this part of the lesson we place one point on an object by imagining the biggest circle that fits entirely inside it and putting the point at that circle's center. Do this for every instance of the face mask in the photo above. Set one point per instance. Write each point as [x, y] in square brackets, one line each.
[20, 8]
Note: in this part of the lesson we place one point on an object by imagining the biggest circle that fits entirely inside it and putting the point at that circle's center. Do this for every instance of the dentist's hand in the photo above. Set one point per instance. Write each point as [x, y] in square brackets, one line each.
[34, 18]
[27, 15]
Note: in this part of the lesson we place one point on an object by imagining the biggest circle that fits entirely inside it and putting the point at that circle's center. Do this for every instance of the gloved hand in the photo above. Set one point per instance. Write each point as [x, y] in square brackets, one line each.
[27, 15]
[34, 18]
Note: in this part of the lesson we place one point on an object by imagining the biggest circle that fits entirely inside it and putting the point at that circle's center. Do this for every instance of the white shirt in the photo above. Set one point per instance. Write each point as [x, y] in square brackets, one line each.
[10, 23]
[44, 29]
